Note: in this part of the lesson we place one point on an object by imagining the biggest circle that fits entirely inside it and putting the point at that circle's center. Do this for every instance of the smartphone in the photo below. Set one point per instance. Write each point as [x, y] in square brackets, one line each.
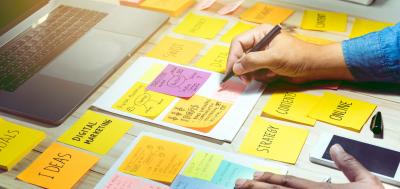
[381, 161]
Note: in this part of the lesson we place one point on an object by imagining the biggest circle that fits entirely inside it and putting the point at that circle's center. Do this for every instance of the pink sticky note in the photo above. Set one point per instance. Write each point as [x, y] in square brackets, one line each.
[205, 4]
[179, 81]
[119, 181]
[229, 91]
[230, 7]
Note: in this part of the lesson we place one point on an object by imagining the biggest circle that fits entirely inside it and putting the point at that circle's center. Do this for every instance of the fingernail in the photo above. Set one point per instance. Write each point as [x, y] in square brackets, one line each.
[239, 183]
[258, 174]
[336, 148]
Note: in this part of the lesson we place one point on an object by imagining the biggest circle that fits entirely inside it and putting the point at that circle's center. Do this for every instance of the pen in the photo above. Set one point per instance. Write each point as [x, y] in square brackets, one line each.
[377, 124]
[260, 45]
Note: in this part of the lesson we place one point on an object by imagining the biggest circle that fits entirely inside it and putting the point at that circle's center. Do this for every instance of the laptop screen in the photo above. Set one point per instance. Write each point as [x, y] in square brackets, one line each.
[14, 11]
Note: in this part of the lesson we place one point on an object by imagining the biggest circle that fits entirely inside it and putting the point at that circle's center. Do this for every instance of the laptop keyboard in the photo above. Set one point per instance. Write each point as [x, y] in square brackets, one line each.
[34, 48]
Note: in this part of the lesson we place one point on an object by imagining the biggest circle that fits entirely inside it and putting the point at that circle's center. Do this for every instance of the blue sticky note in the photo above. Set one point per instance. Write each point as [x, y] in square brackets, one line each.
[228, 172]
[183, 182]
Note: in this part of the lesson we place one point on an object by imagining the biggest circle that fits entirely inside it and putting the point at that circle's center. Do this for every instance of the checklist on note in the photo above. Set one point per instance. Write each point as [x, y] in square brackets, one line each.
[58, 167]
[324, 21]
[272, 141]
[120, 181]
[200, 26]
[364, 26]
[203, 165]
[215, 59]
[342, 111]
[95, 132]
[264, 13]
[171, 7]
[16, 142]
[237, 29]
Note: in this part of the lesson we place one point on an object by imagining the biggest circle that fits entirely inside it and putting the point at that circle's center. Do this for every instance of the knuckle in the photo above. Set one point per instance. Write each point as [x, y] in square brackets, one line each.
[287, 180]
[248, 184]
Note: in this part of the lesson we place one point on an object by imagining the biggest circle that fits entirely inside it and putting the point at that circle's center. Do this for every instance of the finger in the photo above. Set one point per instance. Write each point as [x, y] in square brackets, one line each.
[265, 76]
[254, 61]
[284, 180]
[252, 184]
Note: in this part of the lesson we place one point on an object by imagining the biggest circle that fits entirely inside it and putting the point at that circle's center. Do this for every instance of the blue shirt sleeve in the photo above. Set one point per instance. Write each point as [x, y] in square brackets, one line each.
[374, 57]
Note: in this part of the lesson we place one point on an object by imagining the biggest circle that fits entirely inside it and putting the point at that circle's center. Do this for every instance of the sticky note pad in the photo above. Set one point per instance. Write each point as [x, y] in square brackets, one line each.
[229, 172]
[203, 165]
[229, 91]
[176, 50]
[183, 182]
[95, 132]
[215, 60]
[120, 181]
[364, 26]
[324, 21]
[239, 28]
[342, 111]
[197, 113]
[273, 141]
[140, 101]
[315, 40]
[292, 106]
[16, 142]
[150, 74]
[171, 7]
[265, 13]
[200, 26]
[156, 159]
[58, 167]
[179, 81]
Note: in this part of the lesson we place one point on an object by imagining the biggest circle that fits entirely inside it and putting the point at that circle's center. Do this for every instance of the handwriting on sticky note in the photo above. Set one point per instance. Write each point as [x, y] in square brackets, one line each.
[324, 21]
[270, 140]
[230, 7]
[179, 81]
[315, 40]
[200, 26]
[198, 113]
[176, 50]
[364, 26]
[171, 7]
[239, 28]
[342, 111]
[156, 159]
[203, 165]
[215, 59]
[120, 181]
[58, 167]
[151, 73]
[183, 182]
[229, 91]
[140, 101]
[229, 172]
[95, 132]
[264, 13]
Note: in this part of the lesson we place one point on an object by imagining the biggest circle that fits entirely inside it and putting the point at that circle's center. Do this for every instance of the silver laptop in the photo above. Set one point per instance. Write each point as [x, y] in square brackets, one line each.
[54, 54]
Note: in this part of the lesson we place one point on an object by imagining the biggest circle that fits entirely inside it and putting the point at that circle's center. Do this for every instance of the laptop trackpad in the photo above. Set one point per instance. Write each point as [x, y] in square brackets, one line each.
[91, 57]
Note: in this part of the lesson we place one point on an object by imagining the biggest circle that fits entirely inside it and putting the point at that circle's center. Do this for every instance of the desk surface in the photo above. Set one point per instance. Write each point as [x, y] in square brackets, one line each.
[388, 104]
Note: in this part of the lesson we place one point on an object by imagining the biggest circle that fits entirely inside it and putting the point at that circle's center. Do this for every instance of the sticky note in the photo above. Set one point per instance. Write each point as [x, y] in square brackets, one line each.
[171, 7]
[324, 21]
[342, 111]
[16, 142]
[315, 40]
[229, 172]
[140, 101]
[197, 113]
[230, 7]
[204, 4]
[58, 167]
[229, 91]
[179, 81]
[151, 73]
[200, 26]
[265, 13]
[120, 181]
[183, 182]
[156, 159]
[292, 106]
[203, 165]
[273, 141]
[95, 132]
[364, 26]
[236, 30]
[269, 169]
[131, 3]
[175, 50]
[215, 59]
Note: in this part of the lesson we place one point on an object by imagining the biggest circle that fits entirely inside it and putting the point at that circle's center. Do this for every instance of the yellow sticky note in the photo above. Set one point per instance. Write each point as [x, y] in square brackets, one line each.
[198, 113]
[58, 167]
[140, 101]
[200, 26]
[152, 73]
[215, 59]
[292, 106]
[324, 21]
[156, 159]
[95, 132]
[268, 169]
[239, 28]
[176, 50]
[273, 141]
[171, 7]
[315, 40]
[16, 142]
[342, 111]
[364, 26]
[203, 165]
[264, 13]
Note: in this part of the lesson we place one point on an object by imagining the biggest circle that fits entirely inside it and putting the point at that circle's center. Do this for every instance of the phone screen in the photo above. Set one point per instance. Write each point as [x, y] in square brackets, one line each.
[375, 159]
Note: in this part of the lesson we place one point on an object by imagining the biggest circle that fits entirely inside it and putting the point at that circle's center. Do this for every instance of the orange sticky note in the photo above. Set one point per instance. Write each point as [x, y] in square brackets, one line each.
[264, 13]
[58, 167]
[131, 3]
[156, 159]
[171, 7]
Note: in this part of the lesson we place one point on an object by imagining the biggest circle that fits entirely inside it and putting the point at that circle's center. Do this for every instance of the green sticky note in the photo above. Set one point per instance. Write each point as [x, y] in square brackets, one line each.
[203, 165]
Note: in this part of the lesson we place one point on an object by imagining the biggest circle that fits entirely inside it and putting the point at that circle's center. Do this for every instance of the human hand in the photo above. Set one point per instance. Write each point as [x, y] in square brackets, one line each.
[358, 176]
[285, 57]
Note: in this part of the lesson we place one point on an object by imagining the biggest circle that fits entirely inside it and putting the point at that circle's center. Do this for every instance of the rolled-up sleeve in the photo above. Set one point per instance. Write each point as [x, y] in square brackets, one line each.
[375, 57]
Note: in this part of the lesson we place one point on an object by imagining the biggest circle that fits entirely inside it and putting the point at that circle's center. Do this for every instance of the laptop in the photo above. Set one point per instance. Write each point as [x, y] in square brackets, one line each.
[54, 54]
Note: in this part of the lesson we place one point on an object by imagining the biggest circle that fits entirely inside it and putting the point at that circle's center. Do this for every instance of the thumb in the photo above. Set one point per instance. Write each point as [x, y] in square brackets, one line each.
[251, 62]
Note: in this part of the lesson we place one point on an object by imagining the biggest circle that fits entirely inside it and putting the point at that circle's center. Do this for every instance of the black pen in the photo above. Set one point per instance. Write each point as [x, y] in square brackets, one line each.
[259, 46]
[377, 125]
